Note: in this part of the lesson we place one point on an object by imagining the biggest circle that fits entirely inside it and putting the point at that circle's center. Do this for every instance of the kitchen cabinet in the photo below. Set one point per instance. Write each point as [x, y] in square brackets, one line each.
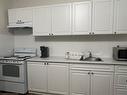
[120, 80]
[80, 83]
[20, 17]
[52, 20]
[42, 21]
[61, 19]
[102, 83]
[81, 18]
[91, 80]
[48, 77]
[37, 77]
[58, 78]
[102, 22]
[120, 17]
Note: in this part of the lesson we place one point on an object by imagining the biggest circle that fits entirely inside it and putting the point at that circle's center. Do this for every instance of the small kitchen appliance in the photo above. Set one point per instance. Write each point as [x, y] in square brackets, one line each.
[13, 70]
[44, 51]
[120, 53]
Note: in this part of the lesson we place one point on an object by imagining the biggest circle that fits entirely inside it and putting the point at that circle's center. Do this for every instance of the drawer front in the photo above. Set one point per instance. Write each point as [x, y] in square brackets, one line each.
[121, 81]
[92, 67]
[120, 92]
[119, 69]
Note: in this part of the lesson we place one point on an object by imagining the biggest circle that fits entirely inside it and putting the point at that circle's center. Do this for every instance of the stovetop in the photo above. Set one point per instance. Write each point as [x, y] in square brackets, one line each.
[13, 59]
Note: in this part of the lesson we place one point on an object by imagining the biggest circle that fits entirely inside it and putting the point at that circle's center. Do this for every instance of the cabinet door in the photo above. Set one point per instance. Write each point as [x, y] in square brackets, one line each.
[81, 18]
[102, 83]
[42, 21]
[102, 16]
[61, 19]
[37, 78]
[121, 16]
[79, 83]
[22, 14]
[58, 78]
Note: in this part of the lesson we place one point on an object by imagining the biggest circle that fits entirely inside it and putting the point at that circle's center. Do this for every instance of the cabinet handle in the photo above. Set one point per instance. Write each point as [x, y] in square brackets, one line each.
[88, 73]
[90, 33]
[47, 63]
[114, 32]
[92, 73]
[44, 63]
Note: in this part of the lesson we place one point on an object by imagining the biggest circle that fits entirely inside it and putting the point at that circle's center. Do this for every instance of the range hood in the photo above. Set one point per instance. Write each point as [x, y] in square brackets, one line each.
[20, 25]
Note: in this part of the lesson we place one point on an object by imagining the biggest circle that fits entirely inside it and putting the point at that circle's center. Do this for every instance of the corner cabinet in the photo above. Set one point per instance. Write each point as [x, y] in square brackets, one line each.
[120, 17]
[102, 22]
[81, 18]
[48, 77]
[91, 80]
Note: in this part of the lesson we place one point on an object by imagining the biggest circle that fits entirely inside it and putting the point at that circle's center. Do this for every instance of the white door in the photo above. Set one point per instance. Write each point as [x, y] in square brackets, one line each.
[37, 78]
[81, 18]
[102, 83]
[79, 83]
[102, 16]
[42, 21]
[61, 19]
[58, 78]
[121, 16]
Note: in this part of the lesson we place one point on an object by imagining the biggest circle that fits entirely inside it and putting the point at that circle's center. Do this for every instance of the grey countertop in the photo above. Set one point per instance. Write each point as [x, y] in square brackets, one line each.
[106, 61]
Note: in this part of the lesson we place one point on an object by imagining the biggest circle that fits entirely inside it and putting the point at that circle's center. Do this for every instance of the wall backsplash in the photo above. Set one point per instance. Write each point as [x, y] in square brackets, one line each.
[99, 44]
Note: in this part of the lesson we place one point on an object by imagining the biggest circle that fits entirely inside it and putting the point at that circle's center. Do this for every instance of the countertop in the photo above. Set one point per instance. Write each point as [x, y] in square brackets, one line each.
[106, 61]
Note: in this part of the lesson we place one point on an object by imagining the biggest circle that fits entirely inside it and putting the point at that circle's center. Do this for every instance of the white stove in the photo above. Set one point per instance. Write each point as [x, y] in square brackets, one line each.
[13, 70]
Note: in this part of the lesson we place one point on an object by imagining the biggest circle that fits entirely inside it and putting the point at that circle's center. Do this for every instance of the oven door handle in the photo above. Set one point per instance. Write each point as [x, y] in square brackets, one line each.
[10, 64]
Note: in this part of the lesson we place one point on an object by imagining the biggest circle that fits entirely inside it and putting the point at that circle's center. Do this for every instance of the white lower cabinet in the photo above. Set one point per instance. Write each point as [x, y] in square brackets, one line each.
[37, 78]
[120, 87]
[95, 81]
[102, 83]
[58, 78]
[79, 83]
[48, 77]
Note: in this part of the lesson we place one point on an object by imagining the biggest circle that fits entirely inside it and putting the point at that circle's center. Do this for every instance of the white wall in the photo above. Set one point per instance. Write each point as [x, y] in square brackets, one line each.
[101, 44]
[6, 38]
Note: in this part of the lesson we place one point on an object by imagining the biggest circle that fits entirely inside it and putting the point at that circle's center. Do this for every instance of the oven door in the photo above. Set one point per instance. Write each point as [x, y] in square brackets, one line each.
[12, 72]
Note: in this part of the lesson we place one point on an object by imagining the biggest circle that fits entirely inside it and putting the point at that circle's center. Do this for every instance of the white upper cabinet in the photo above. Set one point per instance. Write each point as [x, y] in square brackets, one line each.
[61, 19]
[20, 17]
[120, 17]
[81, 18]
[42, 21]
[102, 22]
